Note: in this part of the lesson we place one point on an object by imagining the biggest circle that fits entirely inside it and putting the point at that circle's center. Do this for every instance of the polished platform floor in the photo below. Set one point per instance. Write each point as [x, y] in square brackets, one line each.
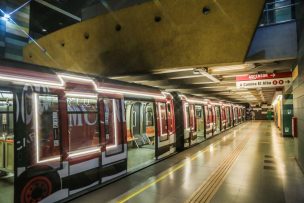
[249, 163]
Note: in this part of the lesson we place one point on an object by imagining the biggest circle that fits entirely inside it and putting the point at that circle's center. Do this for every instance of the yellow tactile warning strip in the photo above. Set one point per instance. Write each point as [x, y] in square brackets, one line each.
[207, 190]
[166, 174]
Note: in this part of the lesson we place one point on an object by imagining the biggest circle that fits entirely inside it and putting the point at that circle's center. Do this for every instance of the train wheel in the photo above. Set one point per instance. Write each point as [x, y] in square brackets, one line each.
[36, 189]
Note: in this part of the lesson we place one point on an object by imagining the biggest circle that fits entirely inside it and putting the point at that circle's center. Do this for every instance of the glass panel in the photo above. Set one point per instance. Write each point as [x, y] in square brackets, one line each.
[113, 126]
[82, 105]
[48, 122]
[207, 115]
[187, 111]
[218, 119]
[6, 147]
[199, 120]
[163, 122]
[83, 123]
[149, 116]
[277, 12]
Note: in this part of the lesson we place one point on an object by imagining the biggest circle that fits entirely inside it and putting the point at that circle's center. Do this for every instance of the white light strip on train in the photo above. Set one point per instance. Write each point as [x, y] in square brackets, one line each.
[115, 127]
[146, 94]
[81, 95]
[75, 78]
[109, 90]
[36, 115]
[84, 152]
[31, 81]
[197, 101]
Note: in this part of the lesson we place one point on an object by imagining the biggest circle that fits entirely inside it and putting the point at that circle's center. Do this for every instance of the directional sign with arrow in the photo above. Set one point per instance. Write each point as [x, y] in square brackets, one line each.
[263, 80]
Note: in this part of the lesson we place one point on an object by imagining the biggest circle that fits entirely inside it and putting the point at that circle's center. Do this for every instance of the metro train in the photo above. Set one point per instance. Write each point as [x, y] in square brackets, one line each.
[64, 133]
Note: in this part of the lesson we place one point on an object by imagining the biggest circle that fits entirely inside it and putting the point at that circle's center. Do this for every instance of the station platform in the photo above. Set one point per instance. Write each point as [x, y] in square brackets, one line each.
[249, 163]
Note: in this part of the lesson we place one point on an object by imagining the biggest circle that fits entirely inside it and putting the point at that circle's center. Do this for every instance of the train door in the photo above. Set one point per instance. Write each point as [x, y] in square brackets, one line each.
[84, 147]
[136, 120]
[228, 119]
[208, 122]
[217, 119]
[114, 148]
[235, 114]
[211, 118]
[6, 146]
[223, 118]
[200, 123]
[193, 127]
[187, 124]
[141, 138]
[165, 130]
[166, 146]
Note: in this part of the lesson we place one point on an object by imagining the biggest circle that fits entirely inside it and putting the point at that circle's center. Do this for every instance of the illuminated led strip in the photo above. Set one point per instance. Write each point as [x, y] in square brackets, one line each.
[193, 100]
[84, 152]
[197, 101]
[31, 81]
[35, 95]
[109, 90]
[81, 95]
[115, 127]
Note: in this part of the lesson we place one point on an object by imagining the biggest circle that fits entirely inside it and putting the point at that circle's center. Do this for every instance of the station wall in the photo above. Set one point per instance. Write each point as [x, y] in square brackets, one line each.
[298, 84]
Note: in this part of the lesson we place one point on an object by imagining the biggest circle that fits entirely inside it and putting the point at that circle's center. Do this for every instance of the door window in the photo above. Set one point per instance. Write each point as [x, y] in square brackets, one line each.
[6, 131]
[163, 122]
[44, 122]
[113, 126]
[187, 116]
[83, 125]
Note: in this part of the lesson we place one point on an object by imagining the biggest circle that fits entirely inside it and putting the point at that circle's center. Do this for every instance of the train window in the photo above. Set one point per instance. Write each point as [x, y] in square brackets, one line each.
[6, 132]
[187, 116]
[83, 123]
[113, 126]
[149, 116]
[163, 122]
[207, 115]
[48, 125]
[6, 114]
[169, 109]
[198, 111]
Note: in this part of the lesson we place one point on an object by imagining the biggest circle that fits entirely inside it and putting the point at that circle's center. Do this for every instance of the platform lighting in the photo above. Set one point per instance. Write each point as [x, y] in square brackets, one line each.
[275, 101]
[6, 17]
[228, 68]
[203, 71]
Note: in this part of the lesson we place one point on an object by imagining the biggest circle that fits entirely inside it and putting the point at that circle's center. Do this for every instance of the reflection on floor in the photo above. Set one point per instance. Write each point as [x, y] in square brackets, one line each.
[200, 138]
[138, 157]
[263, 169]
[7, 189]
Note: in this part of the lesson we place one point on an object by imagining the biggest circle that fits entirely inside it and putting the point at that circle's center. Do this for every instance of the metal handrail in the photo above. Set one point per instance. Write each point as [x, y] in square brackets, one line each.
[267, 12]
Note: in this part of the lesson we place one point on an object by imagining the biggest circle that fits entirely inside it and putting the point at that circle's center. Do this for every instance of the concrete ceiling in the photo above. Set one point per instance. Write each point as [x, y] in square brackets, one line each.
[186, 81]
[152, 35]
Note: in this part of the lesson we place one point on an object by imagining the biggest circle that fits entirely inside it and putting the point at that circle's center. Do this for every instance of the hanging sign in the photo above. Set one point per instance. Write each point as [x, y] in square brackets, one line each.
[264, 80]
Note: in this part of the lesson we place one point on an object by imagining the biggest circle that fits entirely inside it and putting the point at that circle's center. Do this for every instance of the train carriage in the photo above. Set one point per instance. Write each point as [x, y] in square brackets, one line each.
[63, 133]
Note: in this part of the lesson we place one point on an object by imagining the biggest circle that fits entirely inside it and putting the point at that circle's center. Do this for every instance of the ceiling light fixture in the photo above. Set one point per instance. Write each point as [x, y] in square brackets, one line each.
[203, 71]
[228, 68]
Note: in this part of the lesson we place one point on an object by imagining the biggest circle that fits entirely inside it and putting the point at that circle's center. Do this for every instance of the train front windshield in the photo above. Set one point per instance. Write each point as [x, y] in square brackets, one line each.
[6, 146]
